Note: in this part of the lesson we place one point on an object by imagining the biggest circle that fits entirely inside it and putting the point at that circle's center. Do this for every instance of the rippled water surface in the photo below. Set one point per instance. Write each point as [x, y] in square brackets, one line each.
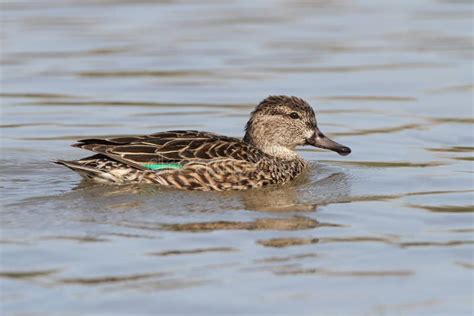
[385, 231]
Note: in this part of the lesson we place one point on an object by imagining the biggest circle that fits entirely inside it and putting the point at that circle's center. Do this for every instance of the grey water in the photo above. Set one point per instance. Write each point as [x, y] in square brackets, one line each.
[387, 230]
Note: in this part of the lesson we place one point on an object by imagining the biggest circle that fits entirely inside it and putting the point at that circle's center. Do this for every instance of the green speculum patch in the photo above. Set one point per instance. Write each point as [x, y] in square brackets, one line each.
[160, 166]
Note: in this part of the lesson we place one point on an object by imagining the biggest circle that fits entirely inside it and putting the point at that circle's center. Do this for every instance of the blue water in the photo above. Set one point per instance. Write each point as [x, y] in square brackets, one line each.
[385, 231]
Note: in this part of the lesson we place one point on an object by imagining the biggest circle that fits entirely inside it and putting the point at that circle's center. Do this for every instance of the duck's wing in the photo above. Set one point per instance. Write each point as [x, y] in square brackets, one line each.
[176, 148]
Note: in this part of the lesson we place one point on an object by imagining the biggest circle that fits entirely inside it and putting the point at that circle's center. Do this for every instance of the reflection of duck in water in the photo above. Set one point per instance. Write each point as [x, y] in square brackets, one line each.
[205, 161]
[299, 196]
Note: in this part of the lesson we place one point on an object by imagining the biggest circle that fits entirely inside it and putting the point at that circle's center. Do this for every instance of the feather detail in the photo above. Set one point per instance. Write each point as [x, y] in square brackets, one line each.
[182, 159]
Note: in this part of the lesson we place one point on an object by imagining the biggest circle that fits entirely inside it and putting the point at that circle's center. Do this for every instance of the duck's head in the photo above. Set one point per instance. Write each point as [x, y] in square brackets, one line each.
[280, 123]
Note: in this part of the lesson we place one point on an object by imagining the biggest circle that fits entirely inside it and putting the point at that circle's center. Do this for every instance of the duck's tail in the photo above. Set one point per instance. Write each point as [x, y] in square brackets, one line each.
[97, 168]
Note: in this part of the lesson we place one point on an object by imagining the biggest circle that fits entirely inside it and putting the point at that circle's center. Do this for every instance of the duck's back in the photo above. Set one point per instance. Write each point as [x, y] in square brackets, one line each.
[178, 147]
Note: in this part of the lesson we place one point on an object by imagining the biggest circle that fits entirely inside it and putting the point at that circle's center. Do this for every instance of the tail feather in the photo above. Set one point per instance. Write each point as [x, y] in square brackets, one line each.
[88, 171]
[80, 168]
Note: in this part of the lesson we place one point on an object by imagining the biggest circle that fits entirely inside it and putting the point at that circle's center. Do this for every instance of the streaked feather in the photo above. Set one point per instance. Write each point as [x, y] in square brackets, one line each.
[207, 161]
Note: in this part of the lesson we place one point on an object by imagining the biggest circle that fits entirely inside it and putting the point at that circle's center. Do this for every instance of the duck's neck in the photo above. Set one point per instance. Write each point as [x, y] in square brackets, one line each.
[273, 150]
[280, 152]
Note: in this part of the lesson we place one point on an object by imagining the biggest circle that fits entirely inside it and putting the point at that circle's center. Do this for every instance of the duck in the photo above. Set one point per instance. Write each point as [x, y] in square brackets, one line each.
[198, 160]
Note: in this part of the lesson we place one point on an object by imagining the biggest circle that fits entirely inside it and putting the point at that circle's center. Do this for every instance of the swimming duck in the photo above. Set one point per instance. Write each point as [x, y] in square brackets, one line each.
[206, 161]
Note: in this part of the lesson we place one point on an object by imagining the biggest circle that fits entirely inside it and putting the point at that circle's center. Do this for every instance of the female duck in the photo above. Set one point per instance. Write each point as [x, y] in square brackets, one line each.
[205, 161]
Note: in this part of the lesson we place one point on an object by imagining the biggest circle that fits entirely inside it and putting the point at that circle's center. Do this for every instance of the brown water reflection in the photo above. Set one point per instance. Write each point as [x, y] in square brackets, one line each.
[287, 242]
[454, 149]
[387, 273]
[26, 274]
[109, 279]
[446, 208]
[290, 223]
[192, 251]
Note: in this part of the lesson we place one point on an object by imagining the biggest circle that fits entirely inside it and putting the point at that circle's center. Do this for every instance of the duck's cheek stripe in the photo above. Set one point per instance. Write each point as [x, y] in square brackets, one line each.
[159, 166]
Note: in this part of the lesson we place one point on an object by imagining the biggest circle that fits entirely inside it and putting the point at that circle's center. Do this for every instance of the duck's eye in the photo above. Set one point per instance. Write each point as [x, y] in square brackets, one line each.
[294, 115]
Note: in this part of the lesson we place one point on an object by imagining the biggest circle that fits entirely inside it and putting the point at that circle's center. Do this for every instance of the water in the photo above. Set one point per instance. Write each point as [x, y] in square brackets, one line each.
[384, 231]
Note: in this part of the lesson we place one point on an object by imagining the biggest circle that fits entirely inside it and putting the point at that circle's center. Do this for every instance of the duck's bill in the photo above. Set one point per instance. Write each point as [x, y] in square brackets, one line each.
[320, 140]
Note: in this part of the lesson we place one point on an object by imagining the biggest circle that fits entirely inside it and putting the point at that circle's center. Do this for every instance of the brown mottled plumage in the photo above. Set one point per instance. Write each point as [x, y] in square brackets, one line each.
[205, 161]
